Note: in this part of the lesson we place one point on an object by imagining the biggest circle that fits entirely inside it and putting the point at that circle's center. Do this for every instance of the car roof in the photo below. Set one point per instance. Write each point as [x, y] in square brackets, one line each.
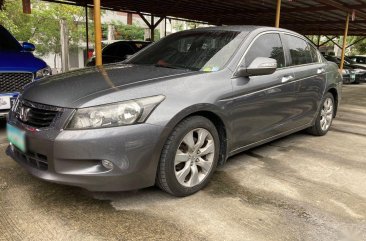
[124, 41]
[245, 28]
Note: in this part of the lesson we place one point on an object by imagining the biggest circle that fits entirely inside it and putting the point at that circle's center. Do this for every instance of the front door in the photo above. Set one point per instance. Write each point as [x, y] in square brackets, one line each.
[262, 105]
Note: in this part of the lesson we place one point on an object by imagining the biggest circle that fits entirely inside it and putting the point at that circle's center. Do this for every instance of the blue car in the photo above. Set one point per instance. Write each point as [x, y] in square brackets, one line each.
[18, 67]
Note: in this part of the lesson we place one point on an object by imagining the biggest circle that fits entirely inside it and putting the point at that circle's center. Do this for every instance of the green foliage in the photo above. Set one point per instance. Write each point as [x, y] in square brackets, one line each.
[128, 32]
[42, 27]
[359, 48]
[156, 34]
[178, 25]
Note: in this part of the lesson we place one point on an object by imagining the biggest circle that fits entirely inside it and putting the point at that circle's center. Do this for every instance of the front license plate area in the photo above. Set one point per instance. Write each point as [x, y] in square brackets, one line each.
[5, 102]
[16, 137]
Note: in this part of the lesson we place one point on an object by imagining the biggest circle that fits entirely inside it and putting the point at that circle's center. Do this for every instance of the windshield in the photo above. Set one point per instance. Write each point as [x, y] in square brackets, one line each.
[349, 60]
[195, 50]
[7, 41]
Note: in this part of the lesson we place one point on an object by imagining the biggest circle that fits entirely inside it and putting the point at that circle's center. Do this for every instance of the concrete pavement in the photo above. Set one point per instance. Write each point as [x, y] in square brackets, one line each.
[297, 188]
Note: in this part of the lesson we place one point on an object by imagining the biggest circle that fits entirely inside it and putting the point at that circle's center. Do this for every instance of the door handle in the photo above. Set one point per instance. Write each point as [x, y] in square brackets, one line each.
[286, 78]
[320, 71]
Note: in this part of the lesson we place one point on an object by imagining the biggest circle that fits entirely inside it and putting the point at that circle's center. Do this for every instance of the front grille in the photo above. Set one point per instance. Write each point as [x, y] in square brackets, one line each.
[36, 115]
[14, 82]
[35, 160]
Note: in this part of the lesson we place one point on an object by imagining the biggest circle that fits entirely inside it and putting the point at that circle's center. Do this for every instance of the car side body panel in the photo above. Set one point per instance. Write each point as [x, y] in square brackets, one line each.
[253, 111]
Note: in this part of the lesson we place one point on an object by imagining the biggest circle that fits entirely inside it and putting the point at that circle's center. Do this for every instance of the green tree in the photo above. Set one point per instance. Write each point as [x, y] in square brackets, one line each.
[128, 32]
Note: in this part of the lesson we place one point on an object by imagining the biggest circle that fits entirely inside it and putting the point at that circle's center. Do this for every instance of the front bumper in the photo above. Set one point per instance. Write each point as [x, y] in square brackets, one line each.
[73, 157]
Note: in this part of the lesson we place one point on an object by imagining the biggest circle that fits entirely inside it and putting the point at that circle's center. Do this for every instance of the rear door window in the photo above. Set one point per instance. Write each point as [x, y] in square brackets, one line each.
[118, 49]
[314, 54]
[361, 60]
[300, 51]
[267, 45]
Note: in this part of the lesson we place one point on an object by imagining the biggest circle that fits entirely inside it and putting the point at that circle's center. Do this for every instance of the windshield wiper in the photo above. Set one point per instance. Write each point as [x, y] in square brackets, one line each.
[166, 66]
[175, 67]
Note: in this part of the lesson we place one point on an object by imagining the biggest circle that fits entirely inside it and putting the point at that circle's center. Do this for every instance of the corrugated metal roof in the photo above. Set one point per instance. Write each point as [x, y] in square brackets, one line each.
[313, 17]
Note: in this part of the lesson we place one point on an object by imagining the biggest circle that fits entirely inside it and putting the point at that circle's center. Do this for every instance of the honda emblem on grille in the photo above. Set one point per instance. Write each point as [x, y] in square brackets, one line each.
[24, 113]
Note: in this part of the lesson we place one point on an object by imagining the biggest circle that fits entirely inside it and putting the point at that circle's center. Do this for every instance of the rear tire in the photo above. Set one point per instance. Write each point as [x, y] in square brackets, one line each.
[325, 116]
[189, 157]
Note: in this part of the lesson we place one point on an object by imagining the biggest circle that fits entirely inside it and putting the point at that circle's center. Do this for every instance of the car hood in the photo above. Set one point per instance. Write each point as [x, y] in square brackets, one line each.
[20, 61]
[70, 89]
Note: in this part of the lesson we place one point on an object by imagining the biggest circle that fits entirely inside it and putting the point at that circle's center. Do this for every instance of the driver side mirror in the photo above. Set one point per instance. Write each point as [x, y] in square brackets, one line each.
[28, 47]
[259, 66]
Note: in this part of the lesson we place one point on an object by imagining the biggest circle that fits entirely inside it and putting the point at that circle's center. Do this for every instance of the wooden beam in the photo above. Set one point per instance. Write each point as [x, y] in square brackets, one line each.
[158, 22]
[332, 40]
[344, 42]
[278, 13]
[329, 39]
[129, 18]
[152, 32]
[87, 31]
[144, 19]
[357, 41]
[26, 6]
[347, 8]
[98, 33]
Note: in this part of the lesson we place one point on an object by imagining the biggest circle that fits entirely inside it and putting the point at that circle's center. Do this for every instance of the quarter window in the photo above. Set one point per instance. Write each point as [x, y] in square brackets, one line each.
[269, 46]
[299, 50]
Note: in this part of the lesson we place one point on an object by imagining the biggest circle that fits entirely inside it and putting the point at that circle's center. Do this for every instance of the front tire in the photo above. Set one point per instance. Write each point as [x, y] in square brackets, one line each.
[325, 117]
[189, 157]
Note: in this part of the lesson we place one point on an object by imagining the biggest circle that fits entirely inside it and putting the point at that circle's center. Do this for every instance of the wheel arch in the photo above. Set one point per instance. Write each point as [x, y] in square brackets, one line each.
[221, 129]
[334, 92]
[210, 112]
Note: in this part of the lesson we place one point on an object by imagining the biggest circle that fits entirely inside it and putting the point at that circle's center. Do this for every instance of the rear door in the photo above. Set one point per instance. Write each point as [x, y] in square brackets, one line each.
[262, 105]
[310, 77]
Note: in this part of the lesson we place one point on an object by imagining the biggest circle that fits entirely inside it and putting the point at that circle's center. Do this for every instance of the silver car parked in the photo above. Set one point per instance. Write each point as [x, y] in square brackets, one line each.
[174, 111]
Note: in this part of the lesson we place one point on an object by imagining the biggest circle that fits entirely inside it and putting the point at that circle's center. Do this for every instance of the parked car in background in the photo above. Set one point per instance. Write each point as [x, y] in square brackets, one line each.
[348, 62]
[349, 76]
[352, 73]
[18, 67]
[175, 110]
[119, 51]
[360, 59]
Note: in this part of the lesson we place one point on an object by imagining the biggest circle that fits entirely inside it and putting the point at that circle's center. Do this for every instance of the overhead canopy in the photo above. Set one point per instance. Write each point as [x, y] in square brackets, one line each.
[310, 17]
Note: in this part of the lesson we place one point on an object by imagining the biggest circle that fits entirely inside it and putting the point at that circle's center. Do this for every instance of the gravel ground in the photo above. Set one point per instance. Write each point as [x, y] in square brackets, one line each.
[297, 188]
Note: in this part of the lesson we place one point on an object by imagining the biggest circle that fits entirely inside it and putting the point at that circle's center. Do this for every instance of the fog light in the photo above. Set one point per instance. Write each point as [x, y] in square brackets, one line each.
[107, 164]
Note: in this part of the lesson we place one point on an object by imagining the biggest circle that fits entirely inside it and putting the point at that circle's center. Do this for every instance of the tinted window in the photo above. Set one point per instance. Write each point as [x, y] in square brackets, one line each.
[299, 50]
[314, 54]
[332, 59]
[269, 46]
[119, 49]
[360, 60]
[7, 41]
[141, 45]
[195, 50]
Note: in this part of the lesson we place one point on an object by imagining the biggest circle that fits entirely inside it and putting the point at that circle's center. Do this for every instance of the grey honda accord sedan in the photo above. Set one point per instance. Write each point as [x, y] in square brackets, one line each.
[174, 111]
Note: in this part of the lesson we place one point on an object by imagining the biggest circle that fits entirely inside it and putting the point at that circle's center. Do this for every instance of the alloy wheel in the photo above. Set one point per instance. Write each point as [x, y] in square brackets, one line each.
[326, 114]
[194, 158]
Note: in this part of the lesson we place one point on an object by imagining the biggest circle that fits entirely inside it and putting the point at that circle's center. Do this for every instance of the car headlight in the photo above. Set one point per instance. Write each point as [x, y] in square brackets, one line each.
[116, 114]
[43, 72]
